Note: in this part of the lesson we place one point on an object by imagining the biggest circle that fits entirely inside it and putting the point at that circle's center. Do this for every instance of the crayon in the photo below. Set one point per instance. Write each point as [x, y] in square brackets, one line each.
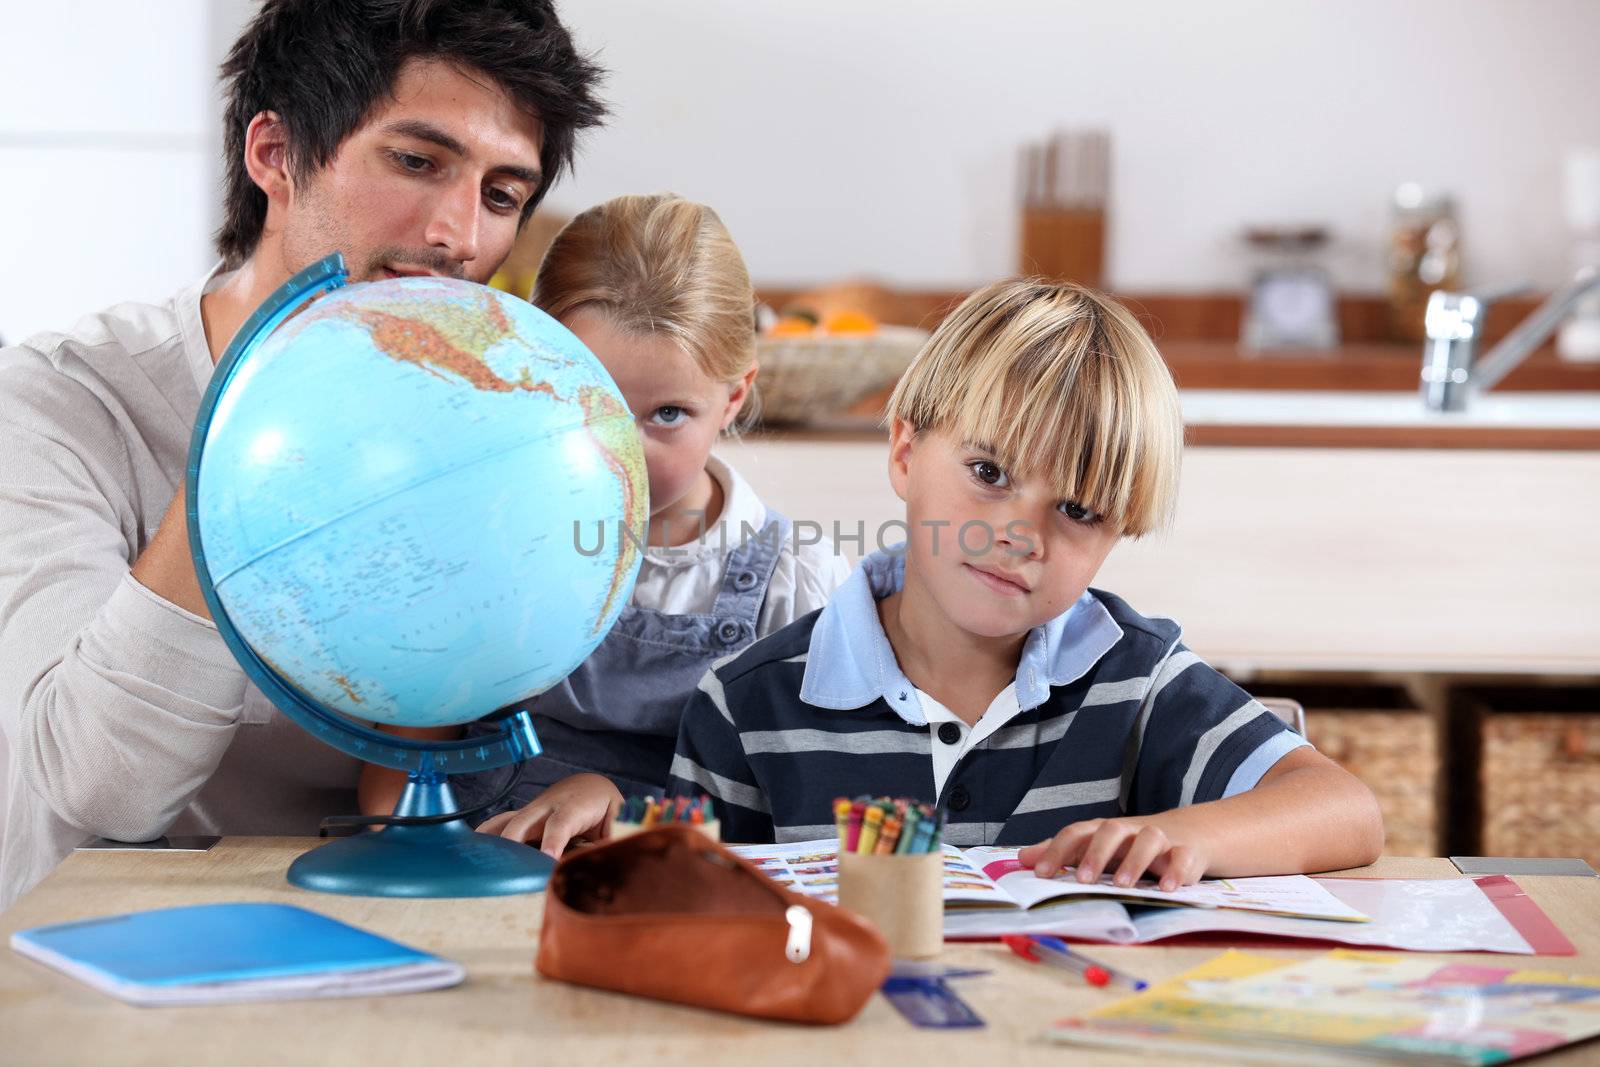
[871, 822]
[889, 836]
[651, 813]
[841, 818]
[853, 827]
[925, 837]
[908, 831]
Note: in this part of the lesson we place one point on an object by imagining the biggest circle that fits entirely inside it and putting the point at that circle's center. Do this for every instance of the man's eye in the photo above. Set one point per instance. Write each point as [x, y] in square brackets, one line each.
[989, 473]
[410, 162]
[502, 199]
[1078, 513]
[668, 415]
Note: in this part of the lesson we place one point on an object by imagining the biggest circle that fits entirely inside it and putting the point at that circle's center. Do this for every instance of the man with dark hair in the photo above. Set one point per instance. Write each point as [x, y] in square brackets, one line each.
[413, 136]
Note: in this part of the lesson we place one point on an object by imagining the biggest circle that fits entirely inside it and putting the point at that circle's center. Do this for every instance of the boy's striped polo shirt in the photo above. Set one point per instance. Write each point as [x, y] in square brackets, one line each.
[1112, 716]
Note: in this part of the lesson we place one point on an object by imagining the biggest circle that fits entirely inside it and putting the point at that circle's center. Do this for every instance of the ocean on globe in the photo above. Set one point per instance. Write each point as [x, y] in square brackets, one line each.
[391, 493]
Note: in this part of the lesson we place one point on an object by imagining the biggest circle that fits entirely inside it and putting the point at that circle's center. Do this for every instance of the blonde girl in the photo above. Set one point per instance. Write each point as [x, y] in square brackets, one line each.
[657, 290]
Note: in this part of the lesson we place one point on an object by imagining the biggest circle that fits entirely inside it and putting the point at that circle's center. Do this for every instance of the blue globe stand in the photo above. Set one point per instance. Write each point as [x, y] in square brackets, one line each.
[440, 860]
[443, 858]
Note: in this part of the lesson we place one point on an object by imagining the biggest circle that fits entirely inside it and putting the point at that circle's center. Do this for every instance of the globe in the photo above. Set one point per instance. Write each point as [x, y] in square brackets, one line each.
[413, 502]
[400, 494]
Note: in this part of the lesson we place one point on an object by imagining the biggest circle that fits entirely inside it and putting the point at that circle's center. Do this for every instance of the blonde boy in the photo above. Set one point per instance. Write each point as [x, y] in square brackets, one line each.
[975, 667]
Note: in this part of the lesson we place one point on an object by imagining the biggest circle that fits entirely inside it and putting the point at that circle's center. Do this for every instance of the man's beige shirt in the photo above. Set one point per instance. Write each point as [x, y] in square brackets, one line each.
[125, 716]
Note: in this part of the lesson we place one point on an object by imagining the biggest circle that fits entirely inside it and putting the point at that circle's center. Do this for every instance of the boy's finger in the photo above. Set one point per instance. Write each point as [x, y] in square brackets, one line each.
[1183, 868]
[526, 825]
[1147, 847]
[1029, 855]
[602, 830]
[1103, 850]
[1060, 849]
[559, 829]
[493, 824]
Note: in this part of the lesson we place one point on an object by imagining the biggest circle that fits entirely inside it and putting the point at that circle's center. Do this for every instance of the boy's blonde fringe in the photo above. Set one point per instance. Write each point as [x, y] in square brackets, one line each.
[1060, 382]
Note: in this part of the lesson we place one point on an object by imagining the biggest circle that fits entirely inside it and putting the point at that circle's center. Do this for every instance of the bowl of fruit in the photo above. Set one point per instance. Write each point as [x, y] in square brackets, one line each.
[816, 367]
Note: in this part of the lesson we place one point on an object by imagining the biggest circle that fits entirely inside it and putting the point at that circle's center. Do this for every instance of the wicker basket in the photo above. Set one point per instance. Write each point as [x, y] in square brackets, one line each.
[1539, 772]
[1397, 756]
[804, 379]
[1377, 733]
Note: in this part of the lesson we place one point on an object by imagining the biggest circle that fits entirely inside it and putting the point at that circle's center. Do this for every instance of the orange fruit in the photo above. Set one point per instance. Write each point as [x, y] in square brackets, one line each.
[850, 322]
[791, 326]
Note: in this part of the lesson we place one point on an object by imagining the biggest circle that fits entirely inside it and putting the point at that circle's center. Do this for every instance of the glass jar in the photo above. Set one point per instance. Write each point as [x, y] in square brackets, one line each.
[1424, 255]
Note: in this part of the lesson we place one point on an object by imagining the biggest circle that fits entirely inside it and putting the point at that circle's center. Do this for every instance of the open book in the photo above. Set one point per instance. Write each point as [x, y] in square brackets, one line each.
[989, 881]
[988, 893]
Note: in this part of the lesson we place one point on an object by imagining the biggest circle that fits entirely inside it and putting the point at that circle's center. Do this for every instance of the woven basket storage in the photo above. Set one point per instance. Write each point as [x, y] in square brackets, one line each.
[808, 378]
[1539, 772]
[1377, 733]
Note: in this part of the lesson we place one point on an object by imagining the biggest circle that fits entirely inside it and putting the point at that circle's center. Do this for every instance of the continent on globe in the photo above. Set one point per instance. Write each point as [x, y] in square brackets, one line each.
[386, 493]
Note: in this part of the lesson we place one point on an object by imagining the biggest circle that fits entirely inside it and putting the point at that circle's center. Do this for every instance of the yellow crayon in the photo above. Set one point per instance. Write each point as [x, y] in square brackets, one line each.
[651, 814]
[870, 821]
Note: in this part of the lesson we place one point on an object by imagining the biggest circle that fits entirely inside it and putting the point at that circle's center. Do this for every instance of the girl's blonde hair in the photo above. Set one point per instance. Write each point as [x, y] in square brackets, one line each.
[657, 265]
[1056, 381]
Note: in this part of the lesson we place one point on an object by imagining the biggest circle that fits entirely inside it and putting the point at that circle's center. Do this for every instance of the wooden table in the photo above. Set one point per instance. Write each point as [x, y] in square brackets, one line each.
[504, 1013]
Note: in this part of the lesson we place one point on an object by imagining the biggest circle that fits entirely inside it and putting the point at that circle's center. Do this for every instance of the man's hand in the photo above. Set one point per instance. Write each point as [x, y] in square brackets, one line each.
[166, 568]
[579, 806]
[1131, 846]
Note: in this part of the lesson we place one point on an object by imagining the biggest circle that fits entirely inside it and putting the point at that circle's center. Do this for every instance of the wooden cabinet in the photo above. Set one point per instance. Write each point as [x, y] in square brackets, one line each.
[1378, 733]
[1537, 756]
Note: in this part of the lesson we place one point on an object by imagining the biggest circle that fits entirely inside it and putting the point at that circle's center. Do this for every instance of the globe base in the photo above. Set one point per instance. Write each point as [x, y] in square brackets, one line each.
[441, 860]
[445, 859]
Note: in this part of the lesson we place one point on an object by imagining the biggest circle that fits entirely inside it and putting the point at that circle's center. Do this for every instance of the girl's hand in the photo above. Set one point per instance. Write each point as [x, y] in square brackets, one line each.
[1130, 846]
[581, 805]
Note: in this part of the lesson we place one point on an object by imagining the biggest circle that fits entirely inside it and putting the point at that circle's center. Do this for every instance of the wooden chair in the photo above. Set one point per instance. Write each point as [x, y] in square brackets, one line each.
[1290, 711]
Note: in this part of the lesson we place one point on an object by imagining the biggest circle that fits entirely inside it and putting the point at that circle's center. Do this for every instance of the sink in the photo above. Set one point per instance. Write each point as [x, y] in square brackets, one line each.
[1271, 407]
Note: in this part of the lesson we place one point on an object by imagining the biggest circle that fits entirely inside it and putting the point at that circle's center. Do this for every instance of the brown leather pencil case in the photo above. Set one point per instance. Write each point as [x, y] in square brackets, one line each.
[669, 914]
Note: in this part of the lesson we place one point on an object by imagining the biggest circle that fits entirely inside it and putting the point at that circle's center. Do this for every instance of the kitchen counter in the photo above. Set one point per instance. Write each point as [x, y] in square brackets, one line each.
[1566, 420]
[1337, 559]
[1550, 421]
[1197, 336]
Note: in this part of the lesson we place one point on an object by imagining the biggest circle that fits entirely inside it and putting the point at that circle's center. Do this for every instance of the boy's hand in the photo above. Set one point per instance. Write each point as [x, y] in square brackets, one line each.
[1129, 846]
[579, 805]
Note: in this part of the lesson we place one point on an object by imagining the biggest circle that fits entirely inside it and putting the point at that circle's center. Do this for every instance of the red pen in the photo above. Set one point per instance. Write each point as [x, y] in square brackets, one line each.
[1054, 951]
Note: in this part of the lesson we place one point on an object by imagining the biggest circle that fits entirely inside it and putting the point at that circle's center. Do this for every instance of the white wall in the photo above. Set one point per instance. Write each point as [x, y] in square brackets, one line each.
[880, 138]
[841, 137]
[107, 130]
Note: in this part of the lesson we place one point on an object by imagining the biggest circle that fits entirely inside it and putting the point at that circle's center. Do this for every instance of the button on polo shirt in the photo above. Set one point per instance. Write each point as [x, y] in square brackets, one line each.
[955, 738]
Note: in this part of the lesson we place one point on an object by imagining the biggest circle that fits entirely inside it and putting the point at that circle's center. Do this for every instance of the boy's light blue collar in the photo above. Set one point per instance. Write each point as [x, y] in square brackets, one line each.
[850, 664]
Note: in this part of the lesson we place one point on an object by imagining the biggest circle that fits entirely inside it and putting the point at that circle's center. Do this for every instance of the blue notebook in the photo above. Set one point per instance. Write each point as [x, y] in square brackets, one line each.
[219, 953]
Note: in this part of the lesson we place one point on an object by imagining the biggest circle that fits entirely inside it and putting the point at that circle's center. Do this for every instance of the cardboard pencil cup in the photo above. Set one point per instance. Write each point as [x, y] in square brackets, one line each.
[902, 895]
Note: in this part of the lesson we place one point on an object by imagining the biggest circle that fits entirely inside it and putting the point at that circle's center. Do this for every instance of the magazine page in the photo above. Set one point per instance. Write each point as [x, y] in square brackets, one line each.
[1280, 895]
[812, 867]
[1435, 915]
[1348, 1003]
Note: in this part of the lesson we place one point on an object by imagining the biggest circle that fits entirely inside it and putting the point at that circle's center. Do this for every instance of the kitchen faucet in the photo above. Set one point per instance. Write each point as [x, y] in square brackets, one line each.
[1454, 321]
